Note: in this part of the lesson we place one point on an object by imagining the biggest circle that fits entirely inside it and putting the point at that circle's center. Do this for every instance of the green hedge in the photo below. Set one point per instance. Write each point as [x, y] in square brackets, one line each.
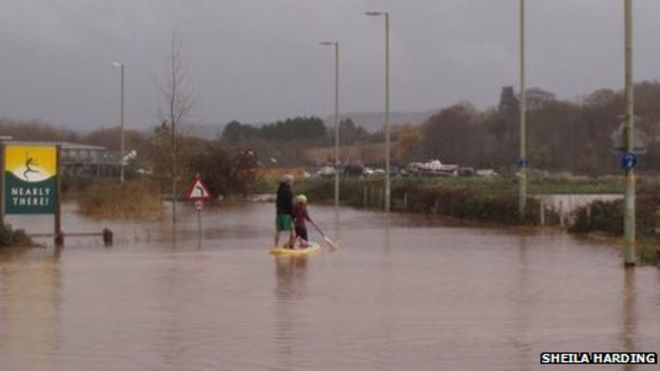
[607, 216]
[459, 200]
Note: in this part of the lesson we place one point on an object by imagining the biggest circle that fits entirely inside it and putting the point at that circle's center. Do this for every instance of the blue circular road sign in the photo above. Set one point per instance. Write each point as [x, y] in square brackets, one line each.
[629, 161]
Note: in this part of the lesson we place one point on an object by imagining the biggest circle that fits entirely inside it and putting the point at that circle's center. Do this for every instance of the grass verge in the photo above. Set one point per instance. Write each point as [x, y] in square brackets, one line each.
[139, 198]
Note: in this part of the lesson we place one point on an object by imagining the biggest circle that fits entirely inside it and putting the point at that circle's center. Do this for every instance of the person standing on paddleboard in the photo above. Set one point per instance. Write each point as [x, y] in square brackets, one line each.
[284, 206]
[299, 216]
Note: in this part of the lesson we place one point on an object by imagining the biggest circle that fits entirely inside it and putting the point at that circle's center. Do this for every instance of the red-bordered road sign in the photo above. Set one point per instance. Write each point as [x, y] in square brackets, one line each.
[198, 191]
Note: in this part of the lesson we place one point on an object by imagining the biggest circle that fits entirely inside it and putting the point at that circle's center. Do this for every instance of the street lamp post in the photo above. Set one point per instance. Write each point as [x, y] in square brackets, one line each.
[121, 150]
[387, 104]
[337, 163]
[522, 163]
[629, 201]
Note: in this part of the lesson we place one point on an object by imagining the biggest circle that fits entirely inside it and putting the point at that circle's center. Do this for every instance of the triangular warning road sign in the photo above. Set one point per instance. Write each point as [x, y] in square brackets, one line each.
[198, 191]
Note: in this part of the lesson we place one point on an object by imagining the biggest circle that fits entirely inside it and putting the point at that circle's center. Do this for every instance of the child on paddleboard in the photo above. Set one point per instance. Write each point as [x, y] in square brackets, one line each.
[300, 215]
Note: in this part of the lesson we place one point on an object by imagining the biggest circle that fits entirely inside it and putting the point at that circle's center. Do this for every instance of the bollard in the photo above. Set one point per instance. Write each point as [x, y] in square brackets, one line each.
[436, 205]
[364, 197]
[405, 201]
[107, 237]
[59, 239]
[542, 212]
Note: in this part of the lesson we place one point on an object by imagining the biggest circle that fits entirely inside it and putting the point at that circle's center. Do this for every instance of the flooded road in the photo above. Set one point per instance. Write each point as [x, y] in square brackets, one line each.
[410, 293]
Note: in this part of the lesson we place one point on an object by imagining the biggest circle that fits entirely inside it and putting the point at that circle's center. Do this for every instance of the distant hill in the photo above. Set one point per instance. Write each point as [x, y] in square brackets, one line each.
[374, 121]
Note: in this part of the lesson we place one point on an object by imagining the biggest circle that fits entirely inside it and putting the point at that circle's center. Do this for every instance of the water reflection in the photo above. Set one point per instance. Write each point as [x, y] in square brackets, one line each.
[337, 230]
[522, 306]
[290, 272]
[29, 302]
[290, 275]
[629, 315]
[386, 232]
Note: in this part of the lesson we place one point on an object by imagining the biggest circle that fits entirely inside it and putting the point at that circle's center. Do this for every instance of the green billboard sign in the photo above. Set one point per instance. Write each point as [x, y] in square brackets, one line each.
[30, 185]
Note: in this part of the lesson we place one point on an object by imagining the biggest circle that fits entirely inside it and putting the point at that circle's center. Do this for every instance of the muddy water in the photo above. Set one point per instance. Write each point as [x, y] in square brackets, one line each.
[405, 294]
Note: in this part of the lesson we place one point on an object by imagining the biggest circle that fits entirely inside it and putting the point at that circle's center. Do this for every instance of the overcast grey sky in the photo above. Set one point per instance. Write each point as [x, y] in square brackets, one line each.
[259, 60]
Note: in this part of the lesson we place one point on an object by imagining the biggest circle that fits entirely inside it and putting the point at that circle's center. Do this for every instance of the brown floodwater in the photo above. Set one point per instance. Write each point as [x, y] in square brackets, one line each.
[405, 293]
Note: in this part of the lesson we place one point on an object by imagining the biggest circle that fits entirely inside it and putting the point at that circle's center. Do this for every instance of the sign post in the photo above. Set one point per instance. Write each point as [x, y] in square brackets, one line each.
[2, 183]
[198, 193]
[628, 161]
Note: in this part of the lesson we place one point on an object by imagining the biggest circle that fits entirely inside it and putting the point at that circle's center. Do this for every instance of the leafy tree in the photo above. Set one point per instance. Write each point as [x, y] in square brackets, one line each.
[349, 133]
[447, 134]
[223, 173]
[409, 138]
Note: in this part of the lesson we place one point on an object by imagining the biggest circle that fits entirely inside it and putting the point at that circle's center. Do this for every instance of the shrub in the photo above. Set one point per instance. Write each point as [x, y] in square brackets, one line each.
[10, 237]
[607, 216]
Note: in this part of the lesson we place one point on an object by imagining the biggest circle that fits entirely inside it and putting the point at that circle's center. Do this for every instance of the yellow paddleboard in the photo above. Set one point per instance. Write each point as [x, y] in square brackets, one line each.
[313, 248]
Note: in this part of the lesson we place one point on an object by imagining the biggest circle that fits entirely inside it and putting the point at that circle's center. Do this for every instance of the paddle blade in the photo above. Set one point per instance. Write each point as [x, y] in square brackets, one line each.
[333, 246]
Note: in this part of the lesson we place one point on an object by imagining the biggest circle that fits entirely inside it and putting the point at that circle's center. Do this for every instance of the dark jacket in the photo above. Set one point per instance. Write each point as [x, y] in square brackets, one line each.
[284, 200]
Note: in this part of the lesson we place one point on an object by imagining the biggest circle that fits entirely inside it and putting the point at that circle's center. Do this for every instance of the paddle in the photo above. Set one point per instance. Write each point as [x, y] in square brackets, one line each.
[331, 244]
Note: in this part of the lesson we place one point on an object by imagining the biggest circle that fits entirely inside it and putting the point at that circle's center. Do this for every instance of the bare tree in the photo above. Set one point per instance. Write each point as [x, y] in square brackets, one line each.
[178, 94]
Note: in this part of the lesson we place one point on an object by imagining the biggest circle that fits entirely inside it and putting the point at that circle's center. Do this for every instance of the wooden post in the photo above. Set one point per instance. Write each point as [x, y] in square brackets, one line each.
[199, 225]
[3, 150]
[436, 205]
[380, 198]
[59, 236]
[405, 201]
[107, 237]
[561, 213]
[542, 212]
[364, 197]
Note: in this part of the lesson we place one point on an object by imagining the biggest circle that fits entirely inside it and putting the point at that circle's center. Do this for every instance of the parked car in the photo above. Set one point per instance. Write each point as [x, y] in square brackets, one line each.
[354, 170]
[465, 171]
[378, 172]
[325, 171]
[487, 173]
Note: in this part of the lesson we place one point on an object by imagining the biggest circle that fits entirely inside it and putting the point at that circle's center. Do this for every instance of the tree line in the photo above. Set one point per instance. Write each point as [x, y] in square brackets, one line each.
[298, 128]
[575, 136]
[563, 135]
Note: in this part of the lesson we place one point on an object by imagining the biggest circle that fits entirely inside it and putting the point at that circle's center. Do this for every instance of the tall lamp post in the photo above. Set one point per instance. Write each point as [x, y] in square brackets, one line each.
[629, 201]
[121, 150]
[336, 47]
[522, 162]
[387, 104]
